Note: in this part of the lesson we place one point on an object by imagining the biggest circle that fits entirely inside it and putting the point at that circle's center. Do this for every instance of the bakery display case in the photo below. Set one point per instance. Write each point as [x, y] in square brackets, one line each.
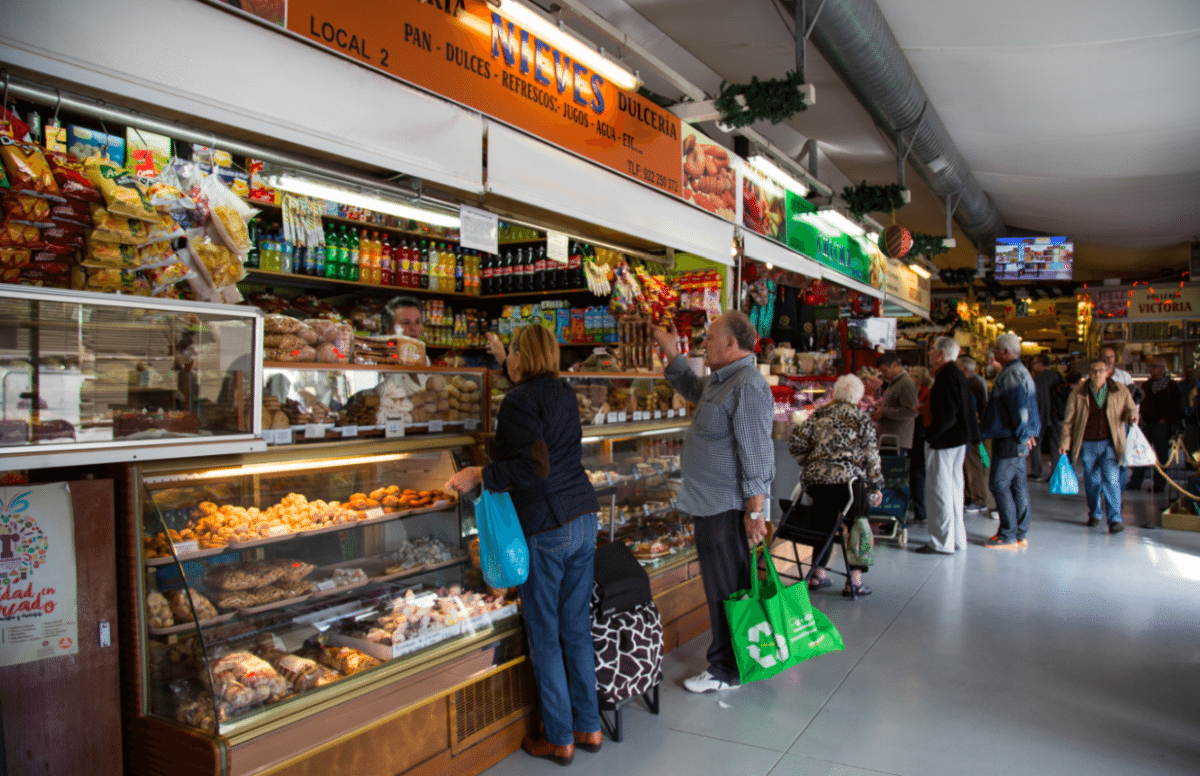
[277, 586]
[316, 402]
[636, 475]
[85, 376]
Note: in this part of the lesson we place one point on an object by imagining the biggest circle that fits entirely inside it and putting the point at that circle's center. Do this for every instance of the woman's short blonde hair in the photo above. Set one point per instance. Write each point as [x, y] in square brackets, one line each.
[537, 352]
[921, 376]
[848, 388]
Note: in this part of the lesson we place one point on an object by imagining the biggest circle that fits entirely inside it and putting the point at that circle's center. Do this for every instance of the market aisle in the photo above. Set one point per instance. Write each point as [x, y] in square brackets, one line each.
[1077, 655]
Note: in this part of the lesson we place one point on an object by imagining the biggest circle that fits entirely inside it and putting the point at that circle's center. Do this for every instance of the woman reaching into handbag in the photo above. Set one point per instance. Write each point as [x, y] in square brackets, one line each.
[537, 458]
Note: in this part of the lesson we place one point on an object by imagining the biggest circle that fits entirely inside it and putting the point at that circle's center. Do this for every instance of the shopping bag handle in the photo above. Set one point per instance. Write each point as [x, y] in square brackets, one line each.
[772, 573]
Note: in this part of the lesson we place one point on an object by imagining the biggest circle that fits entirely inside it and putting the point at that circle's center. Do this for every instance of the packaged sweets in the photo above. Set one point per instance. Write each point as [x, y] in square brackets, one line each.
[27, 168]
[122, 192]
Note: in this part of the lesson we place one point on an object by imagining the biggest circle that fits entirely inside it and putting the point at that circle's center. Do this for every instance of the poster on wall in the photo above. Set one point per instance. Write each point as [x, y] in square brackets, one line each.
[763, 203]
[709, 177]
[39, 612]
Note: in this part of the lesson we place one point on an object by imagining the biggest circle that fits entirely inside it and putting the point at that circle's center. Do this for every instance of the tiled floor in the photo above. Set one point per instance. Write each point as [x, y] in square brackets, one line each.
[1078, 655]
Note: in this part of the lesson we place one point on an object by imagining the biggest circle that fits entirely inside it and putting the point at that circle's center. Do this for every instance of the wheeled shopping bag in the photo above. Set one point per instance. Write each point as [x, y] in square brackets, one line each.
[627, 634]
[889, 520]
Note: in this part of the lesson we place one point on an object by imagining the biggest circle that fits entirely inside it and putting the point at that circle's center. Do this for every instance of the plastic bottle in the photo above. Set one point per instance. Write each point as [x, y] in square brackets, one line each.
[252, 257]
[489, 273]
[563, 272]
[318, 260]
[387, 262]
[268, 257]
[460, 273]
[423, 263]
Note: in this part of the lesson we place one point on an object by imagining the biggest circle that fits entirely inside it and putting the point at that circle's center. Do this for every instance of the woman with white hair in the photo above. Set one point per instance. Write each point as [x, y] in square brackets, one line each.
[834, 447]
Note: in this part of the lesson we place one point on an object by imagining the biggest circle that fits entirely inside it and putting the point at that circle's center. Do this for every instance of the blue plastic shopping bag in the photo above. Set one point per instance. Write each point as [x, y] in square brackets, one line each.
[1063, 482]
[503, 553]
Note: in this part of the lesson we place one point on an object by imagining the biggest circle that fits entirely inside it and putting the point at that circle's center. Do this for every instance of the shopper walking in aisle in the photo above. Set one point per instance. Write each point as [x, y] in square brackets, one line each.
[1108, 354]
[1011, 422]
[1094, 431]
[1046, 380]
[1189, 388]
[977, 498]
[537, 457]
[728, 462]
[896, 412]
[951, 428]
[916, 471]
[1162, 416]
[836, 448]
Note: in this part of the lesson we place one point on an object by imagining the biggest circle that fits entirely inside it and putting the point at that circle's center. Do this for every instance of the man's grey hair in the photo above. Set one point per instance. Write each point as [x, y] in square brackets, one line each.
[967, 363]
[947, 346]
[1009, 343]
[741, 329]
[848, 388]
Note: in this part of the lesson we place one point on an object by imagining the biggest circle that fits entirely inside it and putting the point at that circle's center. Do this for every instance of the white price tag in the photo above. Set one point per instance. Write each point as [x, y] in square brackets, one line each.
[182, 548]
[657, 414]
[638, 416]
[599, 419]
[278, 530]
[683, 412]
[374, 512]
[446, 556]
[670, 413]
[437, 426]
[556, 246]
[349, 431]
[393, 426]
[314, 431]
[325, 584]
[471, 424]
[612, 417]
[283, 436]
[622, 417]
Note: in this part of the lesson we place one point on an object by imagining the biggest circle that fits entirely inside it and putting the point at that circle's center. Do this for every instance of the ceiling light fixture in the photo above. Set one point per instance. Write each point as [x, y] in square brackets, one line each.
[583, 52]
[917, 268]
[764, 165]
[313, 188]
[838, 220]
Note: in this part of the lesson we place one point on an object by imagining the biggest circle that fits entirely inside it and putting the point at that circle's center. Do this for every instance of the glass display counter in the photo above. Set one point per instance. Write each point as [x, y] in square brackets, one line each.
[277, 586]
[86, 376]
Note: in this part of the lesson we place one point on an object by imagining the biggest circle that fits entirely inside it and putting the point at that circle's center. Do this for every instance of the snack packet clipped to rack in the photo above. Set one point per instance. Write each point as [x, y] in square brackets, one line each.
[229, 215]
[123, 193]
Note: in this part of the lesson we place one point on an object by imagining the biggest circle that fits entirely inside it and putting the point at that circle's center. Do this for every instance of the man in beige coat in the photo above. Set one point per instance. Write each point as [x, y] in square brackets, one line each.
[1094, 431]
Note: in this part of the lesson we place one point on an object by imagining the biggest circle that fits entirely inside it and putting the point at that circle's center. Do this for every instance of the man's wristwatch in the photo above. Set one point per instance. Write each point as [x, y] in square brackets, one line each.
[755, 515]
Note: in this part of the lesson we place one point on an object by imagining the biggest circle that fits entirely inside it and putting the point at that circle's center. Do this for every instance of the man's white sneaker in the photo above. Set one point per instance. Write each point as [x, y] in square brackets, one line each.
[706, 682]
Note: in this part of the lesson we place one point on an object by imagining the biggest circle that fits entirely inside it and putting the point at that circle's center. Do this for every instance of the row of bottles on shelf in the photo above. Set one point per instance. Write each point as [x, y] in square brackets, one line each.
[445, 328]
[367, 257]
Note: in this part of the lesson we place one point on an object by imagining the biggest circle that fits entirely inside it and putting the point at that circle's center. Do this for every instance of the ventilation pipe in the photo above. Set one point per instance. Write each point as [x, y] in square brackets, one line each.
[856, 41]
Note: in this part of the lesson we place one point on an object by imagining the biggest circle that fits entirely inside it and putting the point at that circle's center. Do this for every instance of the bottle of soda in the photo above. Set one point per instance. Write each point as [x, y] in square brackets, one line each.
[405, 249]
[575, 276]
[460, 272]
[252, 254]
[318, 260]
[491, 270]
[539, 269]
[530, 263]
[386, 262]
[423, 265]
[563, 272]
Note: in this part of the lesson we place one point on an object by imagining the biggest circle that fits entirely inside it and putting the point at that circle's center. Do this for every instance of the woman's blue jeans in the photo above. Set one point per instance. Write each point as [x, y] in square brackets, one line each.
[555, 602]
[1101, 476]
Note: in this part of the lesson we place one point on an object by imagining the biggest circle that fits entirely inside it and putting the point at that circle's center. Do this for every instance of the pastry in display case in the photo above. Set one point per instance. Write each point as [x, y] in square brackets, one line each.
[306, 402]
[636, 475]
[624, 398]
[268, 585]
[82, 372]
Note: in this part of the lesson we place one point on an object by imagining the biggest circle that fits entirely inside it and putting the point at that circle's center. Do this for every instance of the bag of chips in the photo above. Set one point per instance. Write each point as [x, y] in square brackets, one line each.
[229, 214]
[108, 280]
[16, 235]
[28, 170]
[111, 254]
[72, 182]
[122, 192]
[164, 278]
[28, 209]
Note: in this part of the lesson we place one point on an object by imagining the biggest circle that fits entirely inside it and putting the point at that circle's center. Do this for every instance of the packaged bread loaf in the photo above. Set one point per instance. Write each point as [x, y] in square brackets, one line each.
[235, 599]
[242, 679]
[281, 324]
[347, 660]
[182, 612]
[242, 576]
[302, 673]
[290, 570]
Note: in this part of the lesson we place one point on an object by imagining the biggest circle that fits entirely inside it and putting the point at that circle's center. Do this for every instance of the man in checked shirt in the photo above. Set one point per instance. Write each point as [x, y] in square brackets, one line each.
[728, 462]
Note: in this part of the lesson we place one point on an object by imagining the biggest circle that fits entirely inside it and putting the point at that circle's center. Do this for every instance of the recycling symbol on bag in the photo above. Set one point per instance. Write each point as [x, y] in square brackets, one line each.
[765, 645]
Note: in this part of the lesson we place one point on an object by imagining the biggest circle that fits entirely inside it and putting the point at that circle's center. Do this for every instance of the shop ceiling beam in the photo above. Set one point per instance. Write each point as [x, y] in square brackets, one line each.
[21, 88]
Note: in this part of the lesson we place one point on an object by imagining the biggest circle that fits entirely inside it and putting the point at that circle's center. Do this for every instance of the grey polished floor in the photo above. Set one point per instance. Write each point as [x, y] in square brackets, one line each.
[1078, 655]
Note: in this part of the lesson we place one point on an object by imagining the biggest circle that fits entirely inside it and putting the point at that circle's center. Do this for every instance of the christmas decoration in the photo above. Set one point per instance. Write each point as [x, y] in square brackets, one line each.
[865, 198]
[773, 99]
[928, 245]
[957, 277]
[895, 241]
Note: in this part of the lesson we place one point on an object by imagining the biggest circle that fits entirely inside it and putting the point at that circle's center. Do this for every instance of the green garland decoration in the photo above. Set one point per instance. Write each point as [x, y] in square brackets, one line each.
[929, 245]
[957, 277]
[773, 99]
[865, 198]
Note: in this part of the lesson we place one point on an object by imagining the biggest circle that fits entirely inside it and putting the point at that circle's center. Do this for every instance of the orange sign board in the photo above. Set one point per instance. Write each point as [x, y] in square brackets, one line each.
[471, 53]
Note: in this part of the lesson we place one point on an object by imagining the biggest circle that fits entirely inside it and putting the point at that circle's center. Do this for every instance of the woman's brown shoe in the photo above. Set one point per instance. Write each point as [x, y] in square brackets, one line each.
[540, 747]
[589, 742]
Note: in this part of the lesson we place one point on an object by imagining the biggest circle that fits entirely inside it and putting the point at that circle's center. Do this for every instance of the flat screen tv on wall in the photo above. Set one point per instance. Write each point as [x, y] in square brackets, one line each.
[1034, 258]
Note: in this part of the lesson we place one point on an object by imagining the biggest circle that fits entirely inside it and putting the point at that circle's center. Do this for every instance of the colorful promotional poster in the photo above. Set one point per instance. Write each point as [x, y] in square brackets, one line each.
[38, 605]
[709, 174]
[764, 203]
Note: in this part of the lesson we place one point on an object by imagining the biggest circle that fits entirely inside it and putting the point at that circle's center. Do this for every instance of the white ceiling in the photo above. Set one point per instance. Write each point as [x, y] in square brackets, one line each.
[1077, 117]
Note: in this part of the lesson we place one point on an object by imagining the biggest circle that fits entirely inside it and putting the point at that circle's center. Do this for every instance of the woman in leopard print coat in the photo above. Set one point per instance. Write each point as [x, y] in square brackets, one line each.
[836, 446]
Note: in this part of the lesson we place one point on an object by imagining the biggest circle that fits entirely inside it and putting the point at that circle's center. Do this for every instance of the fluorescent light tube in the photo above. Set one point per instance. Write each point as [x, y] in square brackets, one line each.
[312, 188]
[583, 52]
[841, 222]
[917, 268]
[765, 165]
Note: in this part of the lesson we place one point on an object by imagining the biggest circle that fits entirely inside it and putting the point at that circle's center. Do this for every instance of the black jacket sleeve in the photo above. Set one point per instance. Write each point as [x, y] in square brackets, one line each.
[520, 424]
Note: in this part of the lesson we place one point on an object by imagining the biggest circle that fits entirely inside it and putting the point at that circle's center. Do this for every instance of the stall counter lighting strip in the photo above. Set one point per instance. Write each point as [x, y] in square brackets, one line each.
[312, 188]
[275, 468]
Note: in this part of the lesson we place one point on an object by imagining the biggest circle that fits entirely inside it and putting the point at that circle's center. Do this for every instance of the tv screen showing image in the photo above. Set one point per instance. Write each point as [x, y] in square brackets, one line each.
[1034, 258]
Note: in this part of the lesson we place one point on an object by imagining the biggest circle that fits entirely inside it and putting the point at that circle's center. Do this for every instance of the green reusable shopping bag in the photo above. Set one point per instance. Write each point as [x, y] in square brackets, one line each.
[775, 627]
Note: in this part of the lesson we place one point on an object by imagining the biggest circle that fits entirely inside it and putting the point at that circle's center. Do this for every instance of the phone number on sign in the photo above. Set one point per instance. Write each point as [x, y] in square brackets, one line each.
[653, 178]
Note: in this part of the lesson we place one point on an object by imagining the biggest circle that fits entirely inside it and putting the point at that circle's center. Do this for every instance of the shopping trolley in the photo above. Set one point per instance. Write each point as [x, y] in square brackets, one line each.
[791, 529]
[889, 520]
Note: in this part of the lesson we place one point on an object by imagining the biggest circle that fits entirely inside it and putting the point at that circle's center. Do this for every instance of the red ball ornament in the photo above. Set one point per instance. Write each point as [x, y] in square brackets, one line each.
[895, 241]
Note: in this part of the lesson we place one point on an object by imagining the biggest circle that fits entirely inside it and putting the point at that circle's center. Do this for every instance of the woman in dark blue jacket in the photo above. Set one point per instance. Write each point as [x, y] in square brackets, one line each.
[537, 458]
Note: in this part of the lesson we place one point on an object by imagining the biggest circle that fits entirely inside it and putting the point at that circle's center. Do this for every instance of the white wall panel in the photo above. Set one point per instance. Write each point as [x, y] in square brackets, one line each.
[200, 60]
[530, 171]
[762, 249]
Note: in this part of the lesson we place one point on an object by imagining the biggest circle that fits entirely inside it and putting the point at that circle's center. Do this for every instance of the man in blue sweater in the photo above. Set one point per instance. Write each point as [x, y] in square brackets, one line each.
[1012, 422]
